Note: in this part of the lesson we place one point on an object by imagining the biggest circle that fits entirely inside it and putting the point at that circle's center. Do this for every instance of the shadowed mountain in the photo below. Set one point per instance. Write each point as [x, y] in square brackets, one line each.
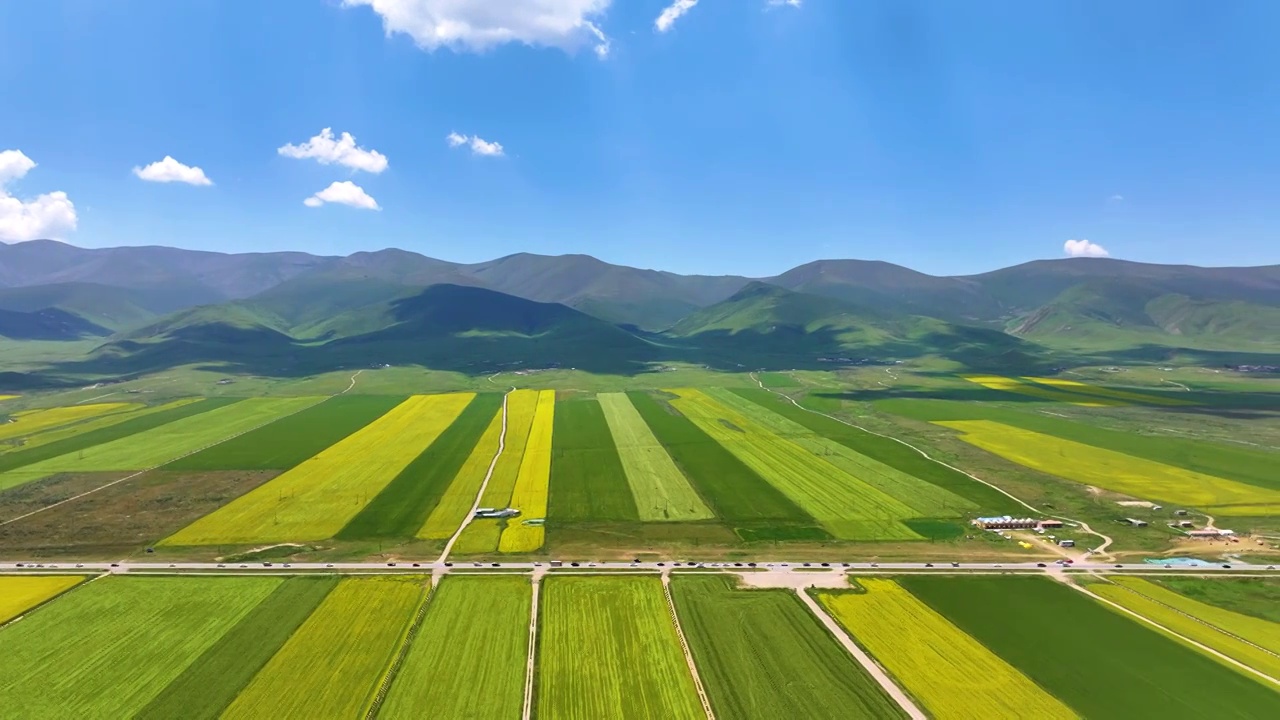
[885, 286]
[47, 324]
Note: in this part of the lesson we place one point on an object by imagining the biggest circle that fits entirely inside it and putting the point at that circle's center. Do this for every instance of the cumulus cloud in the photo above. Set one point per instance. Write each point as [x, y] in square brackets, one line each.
[672, 13]
[1084, 248]
[170, 170]
[51, 215]
[343, 193]
[327, 149]
[478, 145]
[478, 25]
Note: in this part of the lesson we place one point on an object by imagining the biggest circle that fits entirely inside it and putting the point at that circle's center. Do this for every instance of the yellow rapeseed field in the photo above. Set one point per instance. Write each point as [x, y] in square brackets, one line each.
[521, 406]
[1086, 389]
[8, 397]
[1118, 472]
[461, 495]
[1007, 384]
[949, 672]
[314, 500]
[530, 493]
[19, 593]
[28, 422]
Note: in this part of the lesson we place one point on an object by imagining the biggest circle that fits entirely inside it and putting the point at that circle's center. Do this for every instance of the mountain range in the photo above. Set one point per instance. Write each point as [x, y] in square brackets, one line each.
[151, 307]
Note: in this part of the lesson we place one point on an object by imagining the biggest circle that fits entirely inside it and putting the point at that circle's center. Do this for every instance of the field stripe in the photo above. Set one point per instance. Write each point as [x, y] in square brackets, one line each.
[1086, 389]
[529, 495]
[660, 490]
[331, 666]
[456, 502]
[314, 500]
[30, 422]
[474, 636]
[952, 674]
[291, 440]
[588, 482]
[160, 445]
[107, 649]
[60, 434]
[400, 509]
[733, 490]
[846, 507]
[1011, 385]
[212, 682]
[19, 593]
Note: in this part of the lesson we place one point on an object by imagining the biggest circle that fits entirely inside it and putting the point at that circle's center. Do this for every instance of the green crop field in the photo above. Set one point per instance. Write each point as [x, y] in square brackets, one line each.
[762, 654]
[778, 380]
[607, 648]
[458, 498]
[661, 491]
[468, 659]
[587, 479]
[291, 440]
[847, 508]
[209, 684]
[84, 427]
[332, 666]
[163, 444]
[107, 649]
[1099, 662]
[1255, 597]
[19, 594]
[401, 508]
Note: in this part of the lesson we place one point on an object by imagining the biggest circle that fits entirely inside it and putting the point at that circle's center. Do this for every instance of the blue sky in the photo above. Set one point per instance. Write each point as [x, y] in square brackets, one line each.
[748, 137]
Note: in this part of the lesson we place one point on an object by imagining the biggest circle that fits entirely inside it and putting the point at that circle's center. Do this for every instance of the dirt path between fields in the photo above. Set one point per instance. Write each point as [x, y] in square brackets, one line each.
[531, 659]
[1184, 387]
[1100, 550]
[502, 445]
[684, 647]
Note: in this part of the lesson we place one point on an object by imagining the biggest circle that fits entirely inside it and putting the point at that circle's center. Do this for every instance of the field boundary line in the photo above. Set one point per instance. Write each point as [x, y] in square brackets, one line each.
[531, 658]
[873, 668]
[684, 647]
[1100, 550]
[410, 634]
[48, 600]
[493, 464]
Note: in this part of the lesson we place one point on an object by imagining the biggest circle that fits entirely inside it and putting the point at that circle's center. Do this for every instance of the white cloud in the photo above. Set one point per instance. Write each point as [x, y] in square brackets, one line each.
[326, 150]
[1084, 248]
[788, 3]
[478, 145]
[672, 13]
[1116, 198]
[51, 215]
[343, 193]
[170, 170]
[478, 25]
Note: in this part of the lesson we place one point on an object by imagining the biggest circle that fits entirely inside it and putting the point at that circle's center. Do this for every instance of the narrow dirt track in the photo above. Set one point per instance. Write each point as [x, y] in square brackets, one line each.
[531, 660]
[684, 647]
[502, 445]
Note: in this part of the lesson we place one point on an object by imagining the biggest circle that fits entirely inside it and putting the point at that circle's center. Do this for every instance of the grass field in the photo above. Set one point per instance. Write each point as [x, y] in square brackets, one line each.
[1099, 662]
[847, 508]
[475, 636]
[163, 444]
[1012, 385]
[529, 495]
[926, 499]
[209, 684]
[660, 490]
[762, 655]
[401, 508]
[107, 649]
[316, 499]
[1254, 642]
[30, 422]
[455, 504]
[950, 673]
[1255, 597]
[734, 491]
[291, 440]
[332, 665]
[1118, 472]
[19, 594]
[84, 427]
[608, 649]
[1087, 389]
[588, 481]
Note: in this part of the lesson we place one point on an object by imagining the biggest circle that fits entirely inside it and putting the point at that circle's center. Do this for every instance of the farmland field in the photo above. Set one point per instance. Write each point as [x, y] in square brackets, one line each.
[1099, 662]
[30, 422]
[1251, 641]
[951, 674]
[1111, 470]
[475, 636]
[588, 481]
[333, 664]
[212, 681]
[847, 508]
[1255, 597]
[165, 443]
[314, 500]
[461, 493]
[529, 495]
[1087, 389]
[660, 490]
[107, 649]
[19, 594]
[482, 536]
[85, 427]
[761, 654]
[607, 648]
[1007, 384]
[402, 507]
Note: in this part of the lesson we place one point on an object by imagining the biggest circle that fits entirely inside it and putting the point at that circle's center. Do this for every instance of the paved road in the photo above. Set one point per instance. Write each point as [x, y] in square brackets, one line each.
[7, 566]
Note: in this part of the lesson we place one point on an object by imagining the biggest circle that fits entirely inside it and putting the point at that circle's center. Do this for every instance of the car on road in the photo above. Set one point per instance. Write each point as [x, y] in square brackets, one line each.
[1041, 565]
[955, 564]
[1226, 566]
